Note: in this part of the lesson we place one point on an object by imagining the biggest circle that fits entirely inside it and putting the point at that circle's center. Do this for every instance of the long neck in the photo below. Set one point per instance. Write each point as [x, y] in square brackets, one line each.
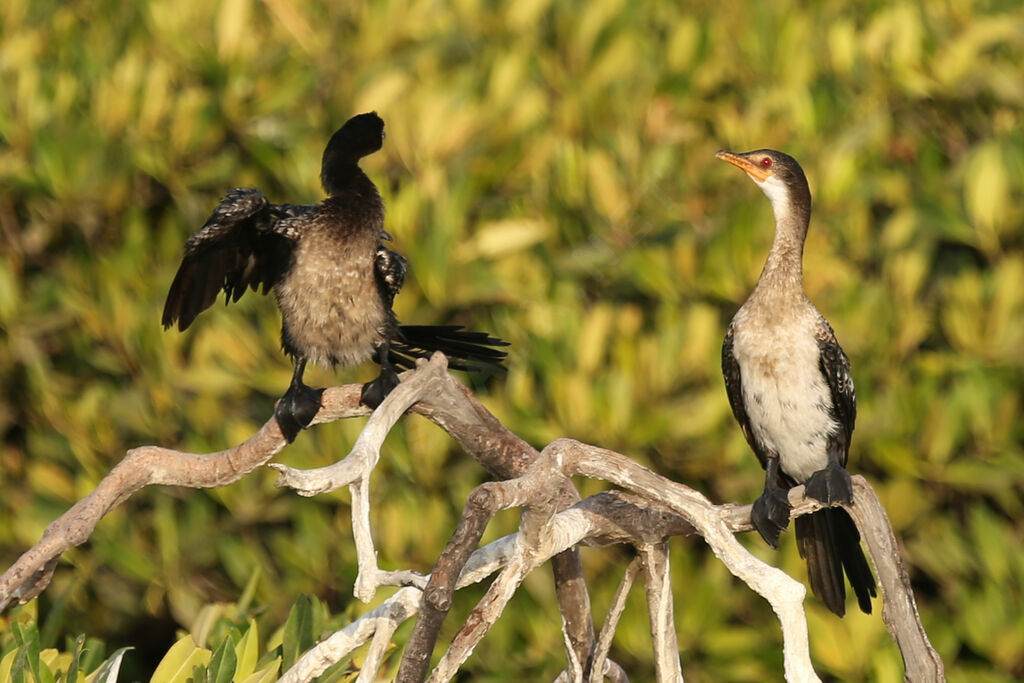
[342, 175]
[783, 269]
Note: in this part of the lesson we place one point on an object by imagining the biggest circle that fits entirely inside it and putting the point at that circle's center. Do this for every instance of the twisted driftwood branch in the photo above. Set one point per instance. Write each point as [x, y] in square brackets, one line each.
[651, 510]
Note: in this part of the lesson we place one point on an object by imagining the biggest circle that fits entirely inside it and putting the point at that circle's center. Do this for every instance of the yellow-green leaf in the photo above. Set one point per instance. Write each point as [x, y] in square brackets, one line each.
[177, 664]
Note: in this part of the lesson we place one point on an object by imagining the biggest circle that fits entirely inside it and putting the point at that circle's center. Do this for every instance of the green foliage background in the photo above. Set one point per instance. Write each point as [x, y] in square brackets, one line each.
[549, 171]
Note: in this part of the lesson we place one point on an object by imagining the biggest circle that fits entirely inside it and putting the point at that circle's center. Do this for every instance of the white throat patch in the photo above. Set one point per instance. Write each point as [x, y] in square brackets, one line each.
[777, 193]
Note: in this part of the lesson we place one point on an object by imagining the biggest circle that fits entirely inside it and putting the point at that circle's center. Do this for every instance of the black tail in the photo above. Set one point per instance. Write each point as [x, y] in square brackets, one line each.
[829, 541]
[466, 350]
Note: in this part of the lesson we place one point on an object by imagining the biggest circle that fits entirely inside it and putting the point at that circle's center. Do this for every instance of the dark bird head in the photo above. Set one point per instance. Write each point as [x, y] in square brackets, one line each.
[360, 136]
[779, 176]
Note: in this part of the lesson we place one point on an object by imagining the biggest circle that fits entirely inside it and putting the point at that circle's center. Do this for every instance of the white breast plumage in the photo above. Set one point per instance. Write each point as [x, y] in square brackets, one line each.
[786, 398]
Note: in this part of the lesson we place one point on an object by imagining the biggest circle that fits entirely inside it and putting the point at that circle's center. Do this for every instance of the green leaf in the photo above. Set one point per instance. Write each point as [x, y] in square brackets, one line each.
[27, 637]
[108, 671]
[223, 664]
[266, 674]
[503, 237]
[179, 661]
[247, 651]
[249, 592]
[986, 191]
[206, 621]
[93, 654]
[76, 660]
[49, 661]
[19, 664]
[7, 664]
[10, 294]
[298, 631]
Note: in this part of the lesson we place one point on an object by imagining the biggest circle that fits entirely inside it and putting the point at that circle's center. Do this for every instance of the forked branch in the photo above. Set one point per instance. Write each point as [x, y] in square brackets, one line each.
[645, 513]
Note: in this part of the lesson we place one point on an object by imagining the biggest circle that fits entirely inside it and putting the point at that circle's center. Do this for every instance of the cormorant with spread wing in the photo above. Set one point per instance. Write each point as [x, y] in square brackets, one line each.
[334, 280]
[790, 388]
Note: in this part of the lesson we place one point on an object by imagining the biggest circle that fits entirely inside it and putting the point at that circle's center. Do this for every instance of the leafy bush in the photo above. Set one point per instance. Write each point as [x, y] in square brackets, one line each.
[549, 172]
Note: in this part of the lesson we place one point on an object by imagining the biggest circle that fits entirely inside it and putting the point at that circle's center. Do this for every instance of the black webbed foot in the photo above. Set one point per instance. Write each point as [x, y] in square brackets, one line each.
[376, 391]
[830, 485]
[770, 515]
[296, 409]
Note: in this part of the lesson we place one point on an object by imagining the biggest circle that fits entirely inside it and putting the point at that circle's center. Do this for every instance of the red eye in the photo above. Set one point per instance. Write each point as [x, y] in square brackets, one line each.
[766, 162]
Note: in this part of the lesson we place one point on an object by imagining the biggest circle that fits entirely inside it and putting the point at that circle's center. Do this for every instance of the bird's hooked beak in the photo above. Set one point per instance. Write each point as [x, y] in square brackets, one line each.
[385, 235]
[753, 170]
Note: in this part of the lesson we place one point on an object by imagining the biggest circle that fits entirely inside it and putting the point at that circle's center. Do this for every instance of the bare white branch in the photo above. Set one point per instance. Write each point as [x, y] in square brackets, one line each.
[659, 607]
[384, 618]
[783, 593]
[355, 469]
[899, 609]
[648, 511]
[611, 622]
[365, 452]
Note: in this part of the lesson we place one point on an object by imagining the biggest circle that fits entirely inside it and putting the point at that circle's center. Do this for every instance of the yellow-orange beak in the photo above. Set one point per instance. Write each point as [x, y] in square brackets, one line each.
[753, 170]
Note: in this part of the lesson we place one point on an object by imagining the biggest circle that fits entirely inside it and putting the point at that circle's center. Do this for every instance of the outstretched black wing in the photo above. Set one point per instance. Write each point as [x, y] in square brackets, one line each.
[835, 368]
[247, 242]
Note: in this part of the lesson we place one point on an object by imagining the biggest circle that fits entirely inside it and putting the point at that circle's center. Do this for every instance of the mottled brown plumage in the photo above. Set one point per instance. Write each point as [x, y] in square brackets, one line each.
[347, 318]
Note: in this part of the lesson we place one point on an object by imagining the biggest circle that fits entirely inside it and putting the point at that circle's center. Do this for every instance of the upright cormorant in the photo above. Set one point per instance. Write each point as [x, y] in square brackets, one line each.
[334, 280]
[790, 389]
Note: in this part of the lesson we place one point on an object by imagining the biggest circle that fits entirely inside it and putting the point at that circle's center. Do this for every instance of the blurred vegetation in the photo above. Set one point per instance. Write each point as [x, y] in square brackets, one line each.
[549, 171]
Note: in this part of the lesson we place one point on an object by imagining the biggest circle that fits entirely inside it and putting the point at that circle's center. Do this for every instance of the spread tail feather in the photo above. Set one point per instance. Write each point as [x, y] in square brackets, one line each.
[829, 541]
[466, 350]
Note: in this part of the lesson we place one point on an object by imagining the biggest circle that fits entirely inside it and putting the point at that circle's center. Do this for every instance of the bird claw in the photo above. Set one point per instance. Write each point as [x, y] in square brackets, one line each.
[375, 392]
[830, 485]
[770, 515]
[296, 409]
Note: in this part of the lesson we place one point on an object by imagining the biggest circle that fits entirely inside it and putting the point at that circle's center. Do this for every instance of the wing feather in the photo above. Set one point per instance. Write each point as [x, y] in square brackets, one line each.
[390, 268]
[734, 390]
[835, 367]
[246, 243]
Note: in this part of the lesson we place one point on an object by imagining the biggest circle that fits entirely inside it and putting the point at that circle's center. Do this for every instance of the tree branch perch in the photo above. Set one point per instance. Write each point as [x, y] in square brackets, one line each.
[645, 513]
